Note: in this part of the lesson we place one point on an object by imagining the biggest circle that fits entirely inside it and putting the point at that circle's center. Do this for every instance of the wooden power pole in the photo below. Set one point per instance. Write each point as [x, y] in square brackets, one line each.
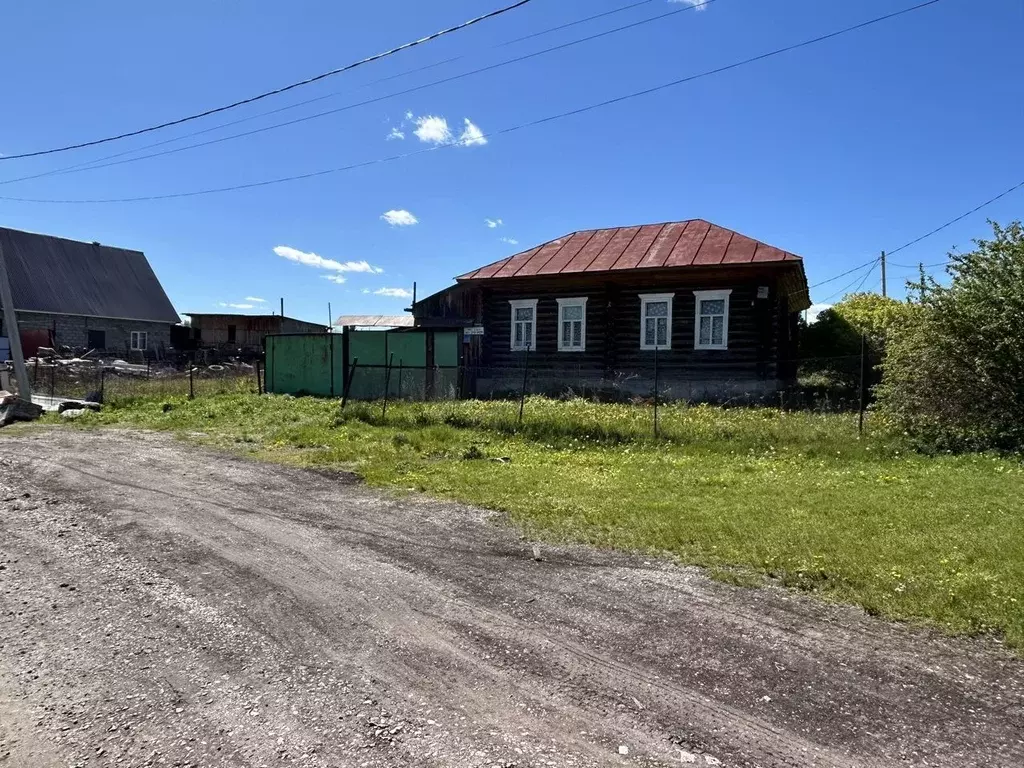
[884, 288]
[11, 326]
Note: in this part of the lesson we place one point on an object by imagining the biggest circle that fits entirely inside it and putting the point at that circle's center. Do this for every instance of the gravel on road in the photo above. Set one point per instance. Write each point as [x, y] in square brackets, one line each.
[163, 604]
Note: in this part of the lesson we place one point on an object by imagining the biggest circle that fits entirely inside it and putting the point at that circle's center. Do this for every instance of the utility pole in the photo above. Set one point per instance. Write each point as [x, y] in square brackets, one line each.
[11, 325]
[884, 293]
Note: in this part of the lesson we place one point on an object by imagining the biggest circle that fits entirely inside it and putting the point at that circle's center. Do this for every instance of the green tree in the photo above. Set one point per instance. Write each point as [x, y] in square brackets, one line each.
[953, 377]
[830, 347]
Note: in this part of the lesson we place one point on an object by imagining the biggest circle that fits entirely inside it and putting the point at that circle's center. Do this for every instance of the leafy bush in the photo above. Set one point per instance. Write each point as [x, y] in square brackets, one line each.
[954, 373]
[830, 347]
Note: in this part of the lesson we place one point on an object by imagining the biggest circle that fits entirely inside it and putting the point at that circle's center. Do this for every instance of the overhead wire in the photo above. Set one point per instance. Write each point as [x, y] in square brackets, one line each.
[295, 105]
[500, 132]
[275, 91]
[99, 162]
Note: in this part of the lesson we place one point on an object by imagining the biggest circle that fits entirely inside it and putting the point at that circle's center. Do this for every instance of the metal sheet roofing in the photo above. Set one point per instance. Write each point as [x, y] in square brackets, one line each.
[376, 321]
[692, 243]
[67, 277]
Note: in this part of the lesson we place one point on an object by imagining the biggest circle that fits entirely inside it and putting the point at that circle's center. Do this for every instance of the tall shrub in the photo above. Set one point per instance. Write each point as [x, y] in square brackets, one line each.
[953, 377]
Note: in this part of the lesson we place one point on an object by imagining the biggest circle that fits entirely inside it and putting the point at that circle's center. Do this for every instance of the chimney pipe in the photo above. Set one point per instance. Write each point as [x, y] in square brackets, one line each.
[282, 306]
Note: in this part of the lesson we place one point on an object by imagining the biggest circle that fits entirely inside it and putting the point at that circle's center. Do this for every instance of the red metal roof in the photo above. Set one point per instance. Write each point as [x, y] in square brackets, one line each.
[693, 243]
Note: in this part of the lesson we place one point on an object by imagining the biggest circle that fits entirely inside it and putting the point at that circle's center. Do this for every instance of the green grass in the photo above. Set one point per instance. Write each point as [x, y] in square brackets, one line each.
[747, 493]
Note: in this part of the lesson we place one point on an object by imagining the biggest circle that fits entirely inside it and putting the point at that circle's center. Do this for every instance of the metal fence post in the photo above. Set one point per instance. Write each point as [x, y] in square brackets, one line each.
[863, 365]
[53, 374]
[103, 377]
[348, 382]
[526, 371]
[259, 384]
[398, 395]
[387, 384]
[655, 390]
[191, 386]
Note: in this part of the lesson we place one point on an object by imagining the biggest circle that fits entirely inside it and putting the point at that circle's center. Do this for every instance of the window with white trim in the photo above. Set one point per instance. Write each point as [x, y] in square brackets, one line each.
[656, 320]
[572, 324]
[140, 340]
[524, 324]
[711, 321]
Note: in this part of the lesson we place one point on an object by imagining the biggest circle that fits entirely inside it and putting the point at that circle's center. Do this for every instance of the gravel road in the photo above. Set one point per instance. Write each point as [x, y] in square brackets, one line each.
[161, 604]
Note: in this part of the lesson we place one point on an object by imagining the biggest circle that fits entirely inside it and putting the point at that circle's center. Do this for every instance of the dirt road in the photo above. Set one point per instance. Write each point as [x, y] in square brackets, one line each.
[165, 605]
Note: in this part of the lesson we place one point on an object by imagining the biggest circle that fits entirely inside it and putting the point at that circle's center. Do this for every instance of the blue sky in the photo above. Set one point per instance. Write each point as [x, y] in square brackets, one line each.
[835, 151]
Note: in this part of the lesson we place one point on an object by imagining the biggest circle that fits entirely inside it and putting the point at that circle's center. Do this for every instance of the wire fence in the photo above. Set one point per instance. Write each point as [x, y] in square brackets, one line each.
[99, 381]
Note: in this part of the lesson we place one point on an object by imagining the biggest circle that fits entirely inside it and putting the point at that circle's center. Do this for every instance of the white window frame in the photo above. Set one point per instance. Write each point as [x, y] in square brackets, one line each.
[522, 304]
[579, 301]
[645, 299]
[137, 338]
[699, 296]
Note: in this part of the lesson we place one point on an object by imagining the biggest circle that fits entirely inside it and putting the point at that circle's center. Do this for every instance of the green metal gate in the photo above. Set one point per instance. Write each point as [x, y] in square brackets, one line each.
[408, 364]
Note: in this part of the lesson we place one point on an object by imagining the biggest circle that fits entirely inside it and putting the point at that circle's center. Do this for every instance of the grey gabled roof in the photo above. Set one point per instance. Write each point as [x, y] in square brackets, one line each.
[67, 277]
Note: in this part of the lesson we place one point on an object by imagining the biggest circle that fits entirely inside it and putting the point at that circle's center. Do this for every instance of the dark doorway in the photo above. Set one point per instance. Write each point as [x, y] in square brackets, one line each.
[231, 334]
[97, 340]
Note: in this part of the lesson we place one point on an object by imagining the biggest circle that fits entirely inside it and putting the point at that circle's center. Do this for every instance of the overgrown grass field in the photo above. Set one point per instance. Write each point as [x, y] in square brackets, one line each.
[748, 493]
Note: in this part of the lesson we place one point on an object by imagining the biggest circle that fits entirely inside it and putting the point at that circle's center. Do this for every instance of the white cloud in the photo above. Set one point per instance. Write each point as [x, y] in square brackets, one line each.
[472, 136]
[234, 306]
[255, 299]
[408, 114]
[395, 293]
[816, 309]
[366, 290]
[400, 218]
[396, 134]
[318, 262]
[339, 279]
[700, 5]
[432, 130]
[493, 223]
[510, 240]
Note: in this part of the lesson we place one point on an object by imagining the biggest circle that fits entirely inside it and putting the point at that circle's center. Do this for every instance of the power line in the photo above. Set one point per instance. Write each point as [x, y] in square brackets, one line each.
[276, 91]
[503, 131]
[961, 217]
[871, 268]
[92, 165]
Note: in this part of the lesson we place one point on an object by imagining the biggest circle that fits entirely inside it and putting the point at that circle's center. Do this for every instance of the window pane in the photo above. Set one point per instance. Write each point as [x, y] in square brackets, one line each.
[527, 333]
[572, 312]
[717, 327]
[519, 334]
[577, 334]
[524, 313]
[657, 309]
[712, 307]
[566, 333]
[662, 331]
[705, 330]
[649, 331]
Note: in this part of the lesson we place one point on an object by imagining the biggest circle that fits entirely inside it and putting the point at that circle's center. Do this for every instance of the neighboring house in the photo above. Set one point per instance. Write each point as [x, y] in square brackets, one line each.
[243, 332]
[374, 322]
[86, 295]
[594, 309]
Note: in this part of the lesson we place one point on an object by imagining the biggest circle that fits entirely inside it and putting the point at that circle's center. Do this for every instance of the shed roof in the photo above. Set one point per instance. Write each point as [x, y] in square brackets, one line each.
[376, 321]
[67, 277]
[691, 243]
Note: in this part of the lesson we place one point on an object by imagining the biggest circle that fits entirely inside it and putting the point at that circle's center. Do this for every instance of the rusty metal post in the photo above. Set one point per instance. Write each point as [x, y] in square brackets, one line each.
[655, 389]
[348, 382]
[191, 385]
[387, 384]
[526, 372]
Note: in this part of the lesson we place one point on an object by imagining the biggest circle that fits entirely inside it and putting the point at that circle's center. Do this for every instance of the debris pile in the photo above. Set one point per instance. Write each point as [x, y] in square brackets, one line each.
[13, 408]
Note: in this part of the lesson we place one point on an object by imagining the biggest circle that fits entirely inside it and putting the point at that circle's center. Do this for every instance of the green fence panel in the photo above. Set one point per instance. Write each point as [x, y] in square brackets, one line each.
[306, 364]
[446, 348]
